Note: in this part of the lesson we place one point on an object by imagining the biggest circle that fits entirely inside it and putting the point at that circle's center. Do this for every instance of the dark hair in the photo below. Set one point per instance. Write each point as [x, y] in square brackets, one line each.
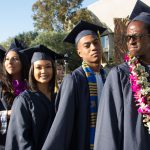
[5, 89]
[24, 69]
[33, 83]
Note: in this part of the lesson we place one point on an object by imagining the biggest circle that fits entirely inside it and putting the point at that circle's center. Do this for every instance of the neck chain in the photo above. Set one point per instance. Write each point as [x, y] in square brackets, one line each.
[140, 88]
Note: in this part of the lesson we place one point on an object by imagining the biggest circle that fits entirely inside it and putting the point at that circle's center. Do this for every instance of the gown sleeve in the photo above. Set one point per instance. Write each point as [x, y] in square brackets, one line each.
[19, 129]
[110, 114]
[59, 136]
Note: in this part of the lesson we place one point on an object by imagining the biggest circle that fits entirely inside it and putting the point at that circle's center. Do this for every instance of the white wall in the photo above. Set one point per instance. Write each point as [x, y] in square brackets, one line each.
[106, 10]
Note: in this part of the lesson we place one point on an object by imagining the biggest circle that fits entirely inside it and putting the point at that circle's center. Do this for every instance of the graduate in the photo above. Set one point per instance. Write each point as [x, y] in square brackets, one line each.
[16, 67]
[78, 98]
[3, 113]
[33, 110]
[13, 82]
[123, 121]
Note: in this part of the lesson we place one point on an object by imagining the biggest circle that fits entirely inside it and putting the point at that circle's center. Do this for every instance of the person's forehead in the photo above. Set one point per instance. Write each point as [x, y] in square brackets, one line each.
[12, 53]
[88, 38]
[136, 26]
[41, 62]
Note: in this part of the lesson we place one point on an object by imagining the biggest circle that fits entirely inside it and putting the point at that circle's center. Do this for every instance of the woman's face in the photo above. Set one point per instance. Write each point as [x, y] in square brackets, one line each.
[43, 71]
[12, 63]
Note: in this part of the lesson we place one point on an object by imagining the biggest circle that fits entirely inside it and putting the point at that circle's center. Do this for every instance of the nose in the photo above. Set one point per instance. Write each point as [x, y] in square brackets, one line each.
[92, 46]
[10, 61]
[43, 70]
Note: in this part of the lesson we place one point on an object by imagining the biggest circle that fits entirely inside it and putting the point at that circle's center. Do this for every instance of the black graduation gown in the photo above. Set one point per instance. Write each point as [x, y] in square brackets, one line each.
[70, 129]
[30, 121]
[3, 107]
[119, 125]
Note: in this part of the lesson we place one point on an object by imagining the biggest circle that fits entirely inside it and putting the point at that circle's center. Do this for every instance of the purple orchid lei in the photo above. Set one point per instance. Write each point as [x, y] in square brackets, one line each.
[140, 88]
[19, 86]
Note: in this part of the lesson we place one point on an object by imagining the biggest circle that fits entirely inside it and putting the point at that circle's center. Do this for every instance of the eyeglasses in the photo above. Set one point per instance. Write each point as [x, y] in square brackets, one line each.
[135, 37]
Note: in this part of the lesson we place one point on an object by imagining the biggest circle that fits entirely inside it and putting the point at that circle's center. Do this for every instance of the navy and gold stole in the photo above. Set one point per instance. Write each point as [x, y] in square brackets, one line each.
[93, 100]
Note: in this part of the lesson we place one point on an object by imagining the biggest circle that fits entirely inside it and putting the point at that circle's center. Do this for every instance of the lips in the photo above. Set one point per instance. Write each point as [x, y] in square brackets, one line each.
[44, 76]
[134, 47]
[10, 67]
[95, 54]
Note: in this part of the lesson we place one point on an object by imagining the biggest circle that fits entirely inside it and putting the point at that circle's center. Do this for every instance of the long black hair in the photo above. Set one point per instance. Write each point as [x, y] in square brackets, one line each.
[5, 89]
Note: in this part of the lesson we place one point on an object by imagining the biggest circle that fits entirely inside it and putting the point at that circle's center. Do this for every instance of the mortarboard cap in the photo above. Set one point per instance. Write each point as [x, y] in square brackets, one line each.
[16, 45]
[41, 52]
[2, 53]
[138, 9]
[82, 29]
[144, 17]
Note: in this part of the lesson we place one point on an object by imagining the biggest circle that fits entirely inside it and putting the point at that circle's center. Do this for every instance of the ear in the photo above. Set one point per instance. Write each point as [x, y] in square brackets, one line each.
[79, 52]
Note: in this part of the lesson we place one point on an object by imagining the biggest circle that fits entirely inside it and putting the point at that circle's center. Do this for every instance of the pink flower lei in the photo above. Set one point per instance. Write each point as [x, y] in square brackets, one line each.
[140, 88]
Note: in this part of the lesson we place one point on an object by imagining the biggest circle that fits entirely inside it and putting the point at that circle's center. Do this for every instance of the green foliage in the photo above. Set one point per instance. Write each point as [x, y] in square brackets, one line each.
[60, 15]
[54, 40]
[82, 14]
[6, 43]
[50, 15]
[27, 37]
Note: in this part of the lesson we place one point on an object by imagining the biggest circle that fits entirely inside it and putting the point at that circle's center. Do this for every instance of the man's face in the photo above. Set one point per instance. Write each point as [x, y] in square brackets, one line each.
[138, 39]
[89, 49]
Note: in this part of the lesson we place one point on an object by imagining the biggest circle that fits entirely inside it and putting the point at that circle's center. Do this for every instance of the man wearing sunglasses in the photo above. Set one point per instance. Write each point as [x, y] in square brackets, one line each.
[138, 39]
[123, 121]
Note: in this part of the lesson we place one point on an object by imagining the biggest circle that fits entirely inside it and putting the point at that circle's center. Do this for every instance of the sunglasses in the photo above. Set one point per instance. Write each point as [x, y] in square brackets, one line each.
[135, 37]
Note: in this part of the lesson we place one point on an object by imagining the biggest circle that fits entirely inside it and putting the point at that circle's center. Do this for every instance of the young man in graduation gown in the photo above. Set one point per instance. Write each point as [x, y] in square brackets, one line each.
[79, 94]
[123, 121]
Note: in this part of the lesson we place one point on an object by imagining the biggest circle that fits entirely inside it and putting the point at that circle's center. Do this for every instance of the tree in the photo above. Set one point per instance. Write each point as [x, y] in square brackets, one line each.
[119, 39]
[82, 14]
[54, 40]
[26, 38]
[6, 43]
[50, 15]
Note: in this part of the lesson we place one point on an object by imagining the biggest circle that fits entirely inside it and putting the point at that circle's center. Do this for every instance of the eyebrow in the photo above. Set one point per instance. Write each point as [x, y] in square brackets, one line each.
[88, 42]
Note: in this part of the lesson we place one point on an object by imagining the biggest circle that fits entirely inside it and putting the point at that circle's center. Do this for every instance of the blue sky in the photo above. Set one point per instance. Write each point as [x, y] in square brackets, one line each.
[16, 17]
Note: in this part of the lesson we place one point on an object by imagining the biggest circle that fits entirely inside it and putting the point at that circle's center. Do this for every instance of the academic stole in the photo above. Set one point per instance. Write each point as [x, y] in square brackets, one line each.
[93, 100]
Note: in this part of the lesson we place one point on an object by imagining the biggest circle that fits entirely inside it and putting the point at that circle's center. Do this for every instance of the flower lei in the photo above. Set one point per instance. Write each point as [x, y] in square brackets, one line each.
[140, 88]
